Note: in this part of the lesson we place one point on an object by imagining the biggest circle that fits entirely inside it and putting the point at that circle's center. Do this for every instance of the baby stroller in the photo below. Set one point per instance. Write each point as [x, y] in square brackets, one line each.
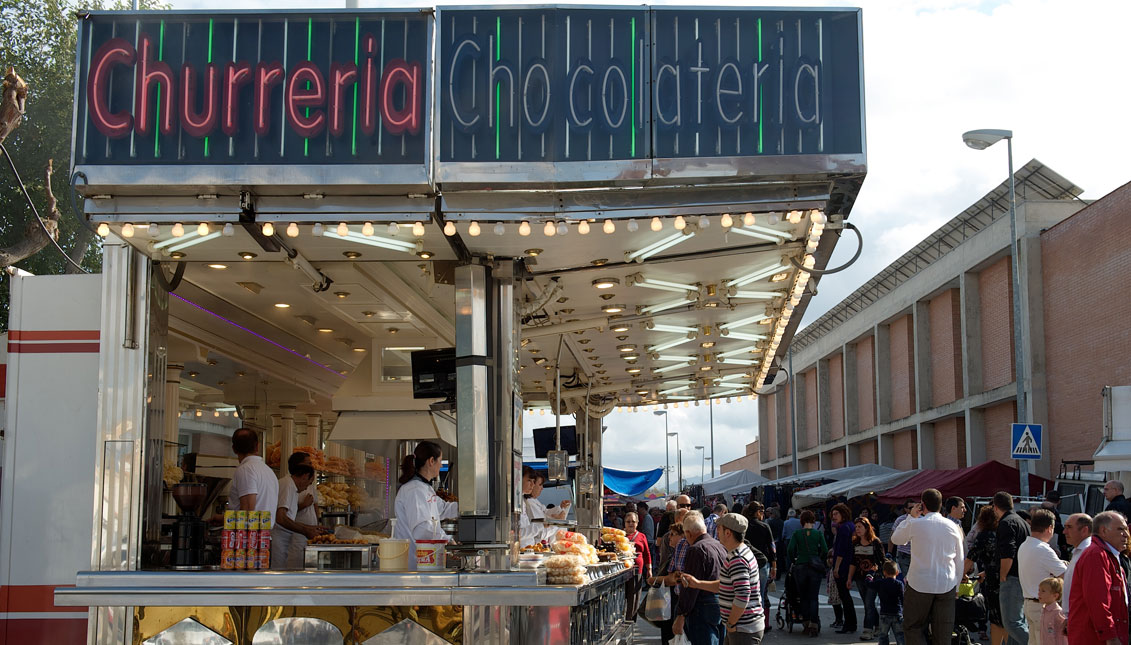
[789, 607]
[969, 618]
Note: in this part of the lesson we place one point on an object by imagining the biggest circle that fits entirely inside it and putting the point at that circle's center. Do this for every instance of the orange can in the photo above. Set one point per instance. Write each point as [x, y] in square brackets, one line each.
[228, 559]
[263, 559]
[240, 559]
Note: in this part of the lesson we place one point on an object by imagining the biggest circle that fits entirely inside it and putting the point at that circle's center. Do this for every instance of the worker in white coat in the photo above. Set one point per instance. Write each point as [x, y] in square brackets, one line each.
[418, 509]
[539, 513]
[529, 531]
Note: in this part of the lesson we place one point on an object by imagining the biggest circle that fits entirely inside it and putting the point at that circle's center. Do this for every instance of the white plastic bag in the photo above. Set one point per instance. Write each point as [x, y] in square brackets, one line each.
[657, 605]
[680, 639]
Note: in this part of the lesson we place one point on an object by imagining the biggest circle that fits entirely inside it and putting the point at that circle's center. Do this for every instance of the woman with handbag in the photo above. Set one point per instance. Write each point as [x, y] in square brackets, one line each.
[668, 543]
[643, 565]
[868, 555]
[806, 554]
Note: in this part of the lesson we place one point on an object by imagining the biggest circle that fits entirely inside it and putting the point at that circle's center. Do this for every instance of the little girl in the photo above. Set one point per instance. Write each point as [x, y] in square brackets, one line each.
[1052, 617]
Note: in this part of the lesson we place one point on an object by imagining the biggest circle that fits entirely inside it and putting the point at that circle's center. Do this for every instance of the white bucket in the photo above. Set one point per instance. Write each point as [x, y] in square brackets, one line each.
[394, 554]
[430, 554]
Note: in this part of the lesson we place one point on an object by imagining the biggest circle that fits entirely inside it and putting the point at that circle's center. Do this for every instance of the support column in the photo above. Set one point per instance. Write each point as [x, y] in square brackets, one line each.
[172, 423]
[764, 426]
[1033, 321]
[971, 335]
[885, 450]
[286, 436]
[782, 413]
[269, 436]
[925, 444]
[921, 348]
[801, 409]
[852, 454]
[851, 391]
[883, 373]
[824, 404]
[975, 436]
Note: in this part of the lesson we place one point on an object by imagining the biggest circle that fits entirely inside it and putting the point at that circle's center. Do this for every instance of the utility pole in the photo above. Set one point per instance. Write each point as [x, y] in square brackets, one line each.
[712, 442]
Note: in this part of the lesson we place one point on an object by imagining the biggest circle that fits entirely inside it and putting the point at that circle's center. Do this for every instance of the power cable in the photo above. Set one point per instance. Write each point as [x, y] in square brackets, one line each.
[35, 211]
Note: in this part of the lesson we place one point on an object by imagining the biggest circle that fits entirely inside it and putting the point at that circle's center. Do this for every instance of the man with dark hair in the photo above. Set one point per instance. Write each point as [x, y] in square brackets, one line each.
[1036, 561]
[761, 537]
[1011, 534]
[955, 509]
[647, 524]
[1058, 543]
[902, 552]
[718, 511]
[254, 487]
[287, 527]
[937, 557]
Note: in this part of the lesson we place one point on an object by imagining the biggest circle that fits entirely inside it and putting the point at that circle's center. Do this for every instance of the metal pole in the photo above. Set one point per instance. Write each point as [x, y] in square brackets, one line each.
[1018, 341]
[703, 464]
[679, 460]
[667, 458]
[712, 441]
[792, 411]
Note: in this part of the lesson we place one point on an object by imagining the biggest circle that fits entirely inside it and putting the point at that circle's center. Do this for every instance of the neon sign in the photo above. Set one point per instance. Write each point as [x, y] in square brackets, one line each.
[284, 88]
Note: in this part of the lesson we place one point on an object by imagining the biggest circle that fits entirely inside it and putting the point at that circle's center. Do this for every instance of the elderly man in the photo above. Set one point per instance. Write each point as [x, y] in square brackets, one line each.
[1011, 534]
[697, 612]
[1078, 533]
[1113, 493]
[738, 584]
[1098, 614]
[936, 568]
[1036, 560]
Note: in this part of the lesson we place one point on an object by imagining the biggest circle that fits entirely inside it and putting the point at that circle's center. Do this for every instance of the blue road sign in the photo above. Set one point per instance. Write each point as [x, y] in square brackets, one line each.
[1026, 441]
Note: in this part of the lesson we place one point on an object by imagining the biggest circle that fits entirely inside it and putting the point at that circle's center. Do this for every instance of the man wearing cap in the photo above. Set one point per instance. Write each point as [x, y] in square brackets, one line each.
[738, 584]
[1058, 543]
[697, 612]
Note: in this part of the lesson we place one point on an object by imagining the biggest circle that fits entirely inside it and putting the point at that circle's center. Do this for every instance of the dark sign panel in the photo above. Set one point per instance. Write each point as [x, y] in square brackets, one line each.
[277, 88]
[543, 84]
[751, 82]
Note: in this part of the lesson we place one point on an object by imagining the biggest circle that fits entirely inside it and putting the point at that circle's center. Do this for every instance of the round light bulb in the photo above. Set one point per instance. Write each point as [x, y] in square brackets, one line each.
[449, 229]
[704, 222]
[748, 219]
[393, 228]
[127, 230]
[583, 227]
[178, 229]
[418, 229]
[819, 218]
[473, 229]
[524, 229]
[367, 229]
[657, 224]
[549, 230]
[268, 229]
[774, 218]
[292, 230]
[680, 223]
[609, 227]
[316, 230]
[632, 226]
[563, 228]
[726, 220]
[343, 229]
[228, 230]
[103, 229]
[154, 230]
[500, 228]
[202, 229]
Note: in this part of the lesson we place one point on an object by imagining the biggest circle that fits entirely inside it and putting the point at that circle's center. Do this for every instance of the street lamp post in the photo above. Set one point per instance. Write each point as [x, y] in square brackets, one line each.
[980, 140]
[679, 459]
[702, 464]
[667, 454]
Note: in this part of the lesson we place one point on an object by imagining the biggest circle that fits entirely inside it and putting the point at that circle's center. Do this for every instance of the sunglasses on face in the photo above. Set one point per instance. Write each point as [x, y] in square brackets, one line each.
[685, 506]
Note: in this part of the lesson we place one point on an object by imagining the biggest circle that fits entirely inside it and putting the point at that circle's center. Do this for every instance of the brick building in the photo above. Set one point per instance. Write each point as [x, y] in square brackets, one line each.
[750, 461]
[915, 368]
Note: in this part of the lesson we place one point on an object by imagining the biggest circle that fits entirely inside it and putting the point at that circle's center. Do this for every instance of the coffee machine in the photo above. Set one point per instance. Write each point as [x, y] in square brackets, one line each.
[188, 529]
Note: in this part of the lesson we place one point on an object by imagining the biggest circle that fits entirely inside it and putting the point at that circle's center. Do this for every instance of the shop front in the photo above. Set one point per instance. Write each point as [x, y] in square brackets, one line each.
[354, 232]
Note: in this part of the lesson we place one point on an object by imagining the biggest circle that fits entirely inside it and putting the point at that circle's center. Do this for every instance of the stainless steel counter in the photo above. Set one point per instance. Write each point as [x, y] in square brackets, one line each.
[327, 588]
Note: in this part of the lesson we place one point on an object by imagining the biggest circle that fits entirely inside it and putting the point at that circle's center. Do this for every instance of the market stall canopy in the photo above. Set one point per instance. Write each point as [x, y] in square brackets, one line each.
[976, 481]
[834, 474]
[849, 488]
[727, 481]
[626, 482]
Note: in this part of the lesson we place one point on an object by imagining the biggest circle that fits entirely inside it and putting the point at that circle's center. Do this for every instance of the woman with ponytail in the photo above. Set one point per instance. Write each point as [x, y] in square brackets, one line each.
[418, 509]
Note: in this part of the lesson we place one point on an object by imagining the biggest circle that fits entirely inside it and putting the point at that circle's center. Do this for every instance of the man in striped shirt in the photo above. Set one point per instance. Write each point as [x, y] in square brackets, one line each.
[738, 587]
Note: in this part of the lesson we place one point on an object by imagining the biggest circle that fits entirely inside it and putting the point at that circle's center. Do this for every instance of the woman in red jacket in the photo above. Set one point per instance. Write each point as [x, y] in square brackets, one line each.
[1097, 609]
[643, 565]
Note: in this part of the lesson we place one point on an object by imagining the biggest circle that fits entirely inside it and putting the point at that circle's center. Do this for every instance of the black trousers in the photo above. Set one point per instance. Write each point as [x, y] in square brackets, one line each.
[920, 608]
[846, 604]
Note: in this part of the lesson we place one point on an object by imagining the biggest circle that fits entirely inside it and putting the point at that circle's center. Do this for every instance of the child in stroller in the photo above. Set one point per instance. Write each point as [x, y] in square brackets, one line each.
[789, 607]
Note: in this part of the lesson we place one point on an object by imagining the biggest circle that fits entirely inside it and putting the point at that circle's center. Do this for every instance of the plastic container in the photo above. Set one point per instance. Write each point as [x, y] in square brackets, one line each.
[430, 554]
[393, 553]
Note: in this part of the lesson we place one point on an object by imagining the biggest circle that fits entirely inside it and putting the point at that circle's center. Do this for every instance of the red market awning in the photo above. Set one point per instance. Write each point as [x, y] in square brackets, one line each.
[982, 480]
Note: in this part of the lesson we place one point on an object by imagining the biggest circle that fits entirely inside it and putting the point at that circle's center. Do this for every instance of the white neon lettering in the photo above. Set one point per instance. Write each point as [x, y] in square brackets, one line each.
[452, 85]
[492, 70]
[720, 92]
[605, 97]
[812, 72]
[699, 70]
[678, 118]
[572, 105]
[759, 69]
[526, 92]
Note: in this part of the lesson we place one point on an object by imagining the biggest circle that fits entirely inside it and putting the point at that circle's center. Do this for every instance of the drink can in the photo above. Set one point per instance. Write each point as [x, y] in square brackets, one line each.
[240, 559]
[263, 559]
[253, 521]
[227, 540]
[229, 520]
[264, 540]
[265, 520]
[241, 520]
[251, 554]
[228, 559]
[241, 539]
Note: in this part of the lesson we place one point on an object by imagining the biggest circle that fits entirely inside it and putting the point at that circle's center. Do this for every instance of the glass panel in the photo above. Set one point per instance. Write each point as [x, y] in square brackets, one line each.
[396, 364]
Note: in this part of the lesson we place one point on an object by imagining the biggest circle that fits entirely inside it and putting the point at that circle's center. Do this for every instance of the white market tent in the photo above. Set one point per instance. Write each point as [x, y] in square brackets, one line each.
[743, 480]
[835, 474]
[852, 487]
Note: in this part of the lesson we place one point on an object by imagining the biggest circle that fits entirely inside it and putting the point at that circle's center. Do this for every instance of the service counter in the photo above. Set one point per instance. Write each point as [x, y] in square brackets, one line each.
[314, 607]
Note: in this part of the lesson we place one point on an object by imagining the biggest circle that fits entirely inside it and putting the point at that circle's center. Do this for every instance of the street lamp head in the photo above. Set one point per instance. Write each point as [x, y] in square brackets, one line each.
[698, 447]
[659, 413]
[982, 139]
[673, 434]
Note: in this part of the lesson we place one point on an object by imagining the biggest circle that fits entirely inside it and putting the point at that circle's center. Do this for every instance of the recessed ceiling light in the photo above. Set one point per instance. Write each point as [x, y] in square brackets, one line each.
[619, 327]
[779, 277]
[342, 294]
[247, 255]
[606, 283]
[540, 361]
[424, 255]
[217, 266]
[705, 368]
[642, 392]
[630, 357]
[352, 255]
[533, 252]
[707, 345]
[193, 374]
[632, 370]
[282, 305]
[325, 330]
[359, 349]
[612, 309]
[608, 296]
[177, 255]
[600, 262]
[368, 314]
[393, 330]
[625, 348]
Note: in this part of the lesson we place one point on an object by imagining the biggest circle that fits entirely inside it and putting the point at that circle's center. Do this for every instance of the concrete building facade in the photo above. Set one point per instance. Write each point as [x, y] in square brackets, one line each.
[915, 368]
[750, 461]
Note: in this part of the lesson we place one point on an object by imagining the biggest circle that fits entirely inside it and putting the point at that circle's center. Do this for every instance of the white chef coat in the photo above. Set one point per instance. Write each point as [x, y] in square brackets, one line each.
[297, 553]
[282, 539]
[253, 476]
[529, 530]
[419, 511]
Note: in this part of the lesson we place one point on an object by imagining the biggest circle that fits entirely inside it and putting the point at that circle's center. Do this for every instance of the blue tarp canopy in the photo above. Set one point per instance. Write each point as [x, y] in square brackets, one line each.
[626, 482]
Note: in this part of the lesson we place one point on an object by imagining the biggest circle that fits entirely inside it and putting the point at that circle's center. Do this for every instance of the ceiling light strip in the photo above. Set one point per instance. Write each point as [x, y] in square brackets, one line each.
[651, 309]
[758, 274]
[670, 344]
[199, 240]
[176, 240]
[765, 230]
[665, 247]
[737, 361]
[741, 350]
[755, 235]
[757, 295]
[750, 337]
[672, 357]
[670, 368]
[634, 254]
[675, 329]
[660, 284]
[743, 322]
[665, 288]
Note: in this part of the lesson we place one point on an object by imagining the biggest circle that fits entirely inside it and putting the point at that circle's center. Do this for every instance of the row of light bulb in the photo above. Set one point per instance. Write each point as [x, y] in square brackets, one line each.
[268, 228]
[686, 404]
[561, 227]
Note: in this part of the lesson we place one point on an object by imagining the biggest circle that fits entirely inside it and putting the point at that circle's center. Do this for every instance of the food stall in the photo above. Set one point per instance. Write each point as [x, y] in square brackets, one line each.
[354, 231]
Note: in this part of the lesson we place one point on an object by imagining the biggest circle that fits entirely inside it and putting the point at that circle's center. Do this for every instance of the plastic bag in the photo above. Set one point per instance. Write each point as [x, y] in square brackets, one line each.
[680, 639]
[657, 605]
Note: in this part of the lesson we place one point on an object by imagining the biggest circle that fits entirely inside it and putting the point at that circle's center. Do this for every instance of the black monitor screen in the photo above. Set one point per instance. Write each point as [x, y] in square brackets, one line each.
[544, 441]
[434, 373]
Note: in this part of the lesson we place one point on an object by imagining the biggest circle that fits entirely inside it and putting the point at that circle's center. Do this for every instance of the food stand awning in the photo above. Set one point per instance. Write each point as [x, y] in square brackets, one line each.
[981, 480]
[626, 482]
[834, 474]
[850, 488]
[723, 484]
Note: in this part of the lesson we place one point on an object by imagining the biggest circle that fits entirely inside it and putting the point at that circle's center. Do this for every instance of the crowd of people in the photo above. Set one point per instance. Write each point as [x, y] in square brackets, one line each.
[1016, 577]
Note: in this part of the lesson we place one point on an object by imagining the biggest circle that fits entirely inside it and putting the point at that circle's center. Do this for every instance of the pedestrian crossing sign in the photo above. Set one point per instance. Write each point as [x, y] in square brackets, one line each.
[1026, 440]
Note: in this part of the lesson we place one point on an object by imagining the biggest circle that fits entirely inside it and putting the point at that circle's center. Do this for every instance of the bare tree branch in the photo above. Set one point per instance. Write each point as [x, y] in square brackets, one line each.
[35, 238]
[13, 104]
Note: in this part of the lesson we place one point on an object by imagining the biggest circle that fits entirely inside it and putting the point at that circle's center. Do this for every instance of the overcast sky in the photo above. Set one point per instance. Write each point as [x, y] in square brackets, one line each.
[1053, 71]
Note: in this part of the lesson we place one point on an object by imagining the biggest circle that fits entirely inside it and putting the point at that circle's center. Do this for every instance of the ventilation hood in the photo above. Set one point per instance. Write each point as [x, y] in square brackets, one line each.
[373, 416]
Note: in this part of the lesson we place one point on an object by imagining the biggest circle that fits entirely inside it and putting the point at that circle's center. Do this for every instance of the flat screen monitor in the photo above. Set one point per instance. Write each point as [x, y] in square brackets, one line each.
[544, 441]
[434, 374]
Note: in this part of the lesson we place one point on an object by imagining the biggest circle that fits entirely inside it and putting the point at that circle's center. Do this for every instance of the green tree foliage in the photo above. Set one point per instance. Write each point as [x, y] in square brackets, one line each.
[38, 39]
